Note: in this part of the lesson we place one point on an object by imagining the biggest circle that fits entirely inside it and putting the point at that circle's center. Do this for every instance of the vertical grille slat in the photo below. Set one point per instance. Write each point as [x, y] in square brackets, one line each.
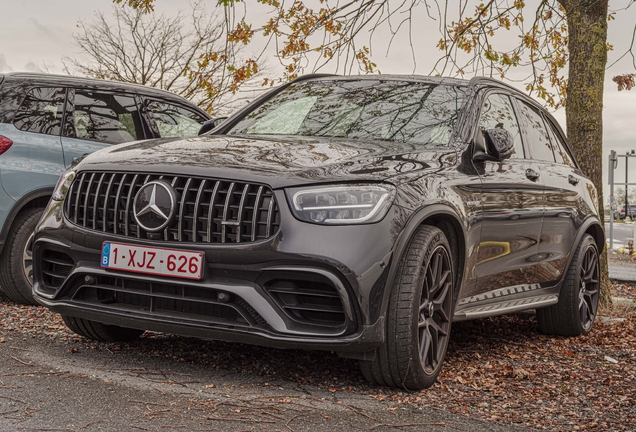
[207, 211]
[257, 205]
[88, 194]
[197, 205]
[184, 200]
[77, 196]
[96, 200]
[225, 212]
[270, 212]
[117, 201]
[106, 206]
[213, 199]
[241, 209]
[129, 204]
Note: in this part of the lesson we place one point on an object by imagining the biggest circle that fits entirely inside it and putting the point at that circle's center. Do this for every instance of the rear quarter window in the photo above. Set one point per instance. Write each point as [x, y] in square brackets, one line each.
[41, 111]
[11, 96]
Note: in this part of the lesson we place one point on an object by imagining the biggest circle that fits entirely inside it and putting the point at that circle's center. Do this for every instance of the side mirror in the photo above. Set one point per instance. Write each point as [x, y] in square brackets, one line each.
[500, 143]
[211, 124]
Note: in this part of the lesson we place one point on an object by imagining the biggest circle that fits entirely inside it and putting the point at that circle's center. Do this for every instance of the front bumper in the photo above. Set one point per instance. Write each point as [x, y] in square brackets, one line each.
[259, 293]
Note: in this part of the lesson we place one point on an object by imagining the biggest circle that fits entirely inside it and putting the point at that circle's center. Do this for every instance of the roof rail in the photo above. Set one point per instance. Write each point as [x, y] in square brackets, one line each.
[476, 80]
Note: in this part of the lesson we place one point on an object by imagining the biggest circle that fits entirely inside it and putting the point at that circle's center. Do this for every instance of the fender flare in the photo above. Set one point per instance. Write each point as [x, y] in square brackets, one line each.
[18, 207]
[587, 224]
[403, 240]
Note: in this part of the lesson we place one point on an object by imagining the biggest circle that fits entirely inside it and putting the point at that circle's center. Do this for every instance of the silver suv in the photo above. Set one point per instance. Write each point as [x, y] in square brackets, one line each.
[46, 122]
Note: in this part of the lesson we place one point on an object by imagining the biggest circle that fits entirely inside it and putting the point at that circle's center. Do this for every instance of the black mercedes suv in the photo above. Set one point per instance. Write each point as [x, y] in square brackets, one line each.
[356, 214]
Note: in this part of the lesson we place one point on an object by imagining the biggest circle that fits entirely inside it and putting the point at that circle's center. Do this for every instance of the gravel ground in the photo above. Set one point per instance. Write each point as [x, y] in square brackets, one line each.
[498, 370]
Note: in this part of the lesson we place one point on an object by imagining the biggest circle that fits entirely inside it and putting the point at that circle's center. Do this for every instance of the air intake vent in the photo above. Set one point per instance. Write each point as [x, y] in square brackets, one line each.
[308, 299]
[56, 266]
[207, 211]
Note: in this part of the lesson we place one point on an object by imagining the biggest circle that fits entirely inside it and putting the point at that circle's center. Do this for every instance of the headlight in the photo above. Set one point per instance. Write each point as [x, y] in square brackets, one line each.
[63, 185]
[342, 204]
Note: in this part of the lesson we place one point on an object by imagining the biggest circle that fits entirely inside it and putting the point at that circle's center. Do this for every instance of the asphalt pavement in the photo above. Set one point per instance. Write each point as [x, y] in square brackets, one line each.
[52, 386]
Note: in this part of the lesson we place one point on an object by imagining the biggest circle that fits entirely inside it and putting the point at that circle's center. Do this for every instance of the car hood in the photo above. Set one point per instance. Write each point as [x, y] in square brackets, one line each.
[285, 161]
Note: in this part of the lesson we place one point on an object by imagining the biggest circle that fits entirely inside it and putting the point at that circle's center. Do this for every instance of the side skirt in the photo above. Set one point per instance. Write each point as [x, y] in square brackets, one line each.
[506, 300]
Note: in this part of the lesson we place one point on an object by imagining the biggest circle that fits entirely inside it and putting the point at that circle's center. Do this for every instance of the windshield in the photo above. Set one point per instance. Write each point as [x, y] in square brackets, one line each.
[400, 111]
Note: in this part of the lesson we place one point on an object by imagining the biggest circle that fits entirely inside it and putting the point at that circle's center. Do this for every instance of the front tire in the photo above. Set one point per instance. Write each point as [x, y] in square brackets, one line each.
[16, 262]
[419, 315]
[576, 310]
[101, 332]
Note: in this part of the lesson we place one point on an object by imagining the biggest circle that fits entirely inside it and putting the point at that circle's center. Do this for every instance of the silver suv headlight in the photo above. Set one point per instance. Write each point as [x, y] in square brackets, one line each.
[341, 204]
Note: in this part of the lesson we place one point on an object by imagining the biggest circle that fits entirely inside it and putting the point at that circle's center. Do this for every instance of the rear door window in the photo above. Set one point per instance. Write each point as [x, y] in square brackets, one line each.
[536, 133]
[105, 117]
[174, 121]
[561, 152]
[41, 111]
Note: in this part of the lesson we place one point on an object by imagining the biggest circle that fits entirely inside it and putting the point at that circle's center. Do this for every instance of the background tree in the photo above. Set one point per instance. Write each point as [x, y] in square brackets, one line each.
[488, 38]
[186, 54]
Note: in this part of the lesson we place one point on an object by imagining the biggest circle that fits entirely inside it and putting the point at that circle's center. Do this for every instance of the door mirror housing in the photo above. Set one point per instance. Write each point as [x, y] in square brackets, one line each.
[500, 143]
[211, 124]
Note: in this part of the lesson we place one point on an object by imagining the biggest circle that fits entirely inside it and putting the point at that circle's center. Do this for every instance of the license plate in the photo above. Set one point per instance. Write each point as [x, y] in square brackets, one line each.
[155, 261]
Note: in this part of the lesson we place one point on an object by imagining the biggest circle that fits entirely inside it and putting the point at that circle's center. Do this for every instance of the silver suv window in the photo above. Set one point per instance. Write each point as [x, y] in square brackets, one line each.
[174, 121]
[41, 111]
[111, 118]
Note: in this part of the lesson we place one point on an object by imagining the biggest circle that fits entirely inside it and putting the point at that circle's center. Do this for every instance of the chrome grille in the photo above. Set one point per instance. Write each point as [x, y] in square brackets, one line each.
[208, 210]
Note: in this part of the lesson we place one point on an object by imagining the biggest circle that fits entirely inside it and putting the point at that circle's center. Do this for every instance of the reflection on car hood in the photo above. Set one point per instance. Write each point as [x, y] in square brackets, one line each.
[282, 162]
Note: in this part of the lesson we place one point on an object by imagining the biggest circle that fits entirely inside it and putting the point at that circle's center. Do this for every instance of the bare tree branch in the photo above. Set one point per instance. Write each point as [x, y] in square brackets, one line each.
[187, 54]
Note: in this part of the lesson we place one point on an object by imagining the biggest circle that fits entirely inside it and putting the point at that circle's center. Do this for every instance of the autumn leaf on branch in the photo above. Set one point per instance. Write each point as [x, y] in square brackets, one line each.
[625, 82]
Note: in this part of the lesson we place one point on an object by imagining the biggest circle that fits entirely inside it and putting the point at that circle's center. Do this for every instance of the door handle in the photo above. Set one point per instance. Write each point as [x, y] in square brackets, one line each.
[532, 174]
[573, 180]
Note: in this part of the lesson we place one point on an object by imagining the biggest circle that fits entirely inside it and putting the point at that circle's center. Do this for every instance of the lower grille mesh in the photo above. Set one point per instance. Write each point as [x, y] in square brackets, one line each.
[175, 301]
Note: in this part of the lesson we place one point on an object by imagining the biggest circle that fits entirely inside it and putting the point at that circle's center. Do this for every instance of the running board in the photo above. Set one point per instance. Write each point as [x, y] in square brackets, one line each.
[506, 307]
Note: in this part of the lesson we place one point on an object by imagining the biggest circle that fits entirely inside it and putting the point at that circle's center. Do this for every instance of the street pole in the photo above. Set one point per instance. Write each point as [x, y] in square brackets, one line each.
[627, 212]
[612, 167]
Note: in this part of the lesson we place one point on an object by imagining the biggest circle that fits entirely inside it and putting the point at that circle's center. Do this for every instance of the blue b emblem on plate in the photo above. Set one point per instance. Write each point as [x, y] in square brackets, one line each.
[105, 254]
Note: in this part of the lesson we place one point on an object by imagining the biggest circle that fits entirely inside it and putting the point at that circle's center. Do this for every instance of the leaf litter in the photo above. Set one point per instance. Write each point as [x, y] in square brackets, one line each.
[497, 369]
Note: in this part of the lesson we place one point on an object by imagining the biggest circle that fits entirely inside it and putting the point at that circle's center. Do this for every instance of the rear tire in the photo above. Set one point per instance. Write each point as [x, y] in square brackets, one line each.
[419, 315]
[576, 310]
[16, 262]
[101, 332]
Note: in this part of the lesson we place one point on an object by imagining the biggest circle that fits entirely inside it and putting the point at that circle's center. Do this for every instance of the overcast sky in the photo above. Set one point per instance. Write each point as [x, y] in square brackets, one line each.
[35, 34]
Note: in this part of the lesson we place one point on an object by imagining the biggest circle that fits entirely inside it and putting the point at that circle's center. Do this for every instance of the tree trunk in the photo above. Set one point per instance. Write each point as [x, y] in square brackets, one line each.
[587, 44]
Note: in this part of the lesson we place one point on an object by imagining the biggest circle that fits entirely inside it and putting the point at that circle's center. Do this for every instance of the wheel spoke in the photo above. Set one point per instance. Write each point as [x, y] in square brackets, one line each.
[436, 327]
[434, 351]
[440, 283]
[583, 312]
[439, 301]
[425, 344]
[27, 258]
[591, 265]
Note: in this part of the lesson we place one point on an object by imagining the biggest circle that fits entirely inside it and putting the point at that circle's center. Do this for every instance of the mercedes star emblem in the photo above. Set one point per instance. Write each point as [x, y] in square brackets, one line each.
[154, 206]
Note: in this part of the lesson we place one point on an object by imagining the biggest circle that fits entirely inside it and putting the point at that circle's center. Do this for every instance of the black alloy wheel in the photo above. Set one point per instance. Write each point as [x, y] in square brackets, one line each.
[576, 310]
[419, 315]
[589, 288]
[435, 310]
